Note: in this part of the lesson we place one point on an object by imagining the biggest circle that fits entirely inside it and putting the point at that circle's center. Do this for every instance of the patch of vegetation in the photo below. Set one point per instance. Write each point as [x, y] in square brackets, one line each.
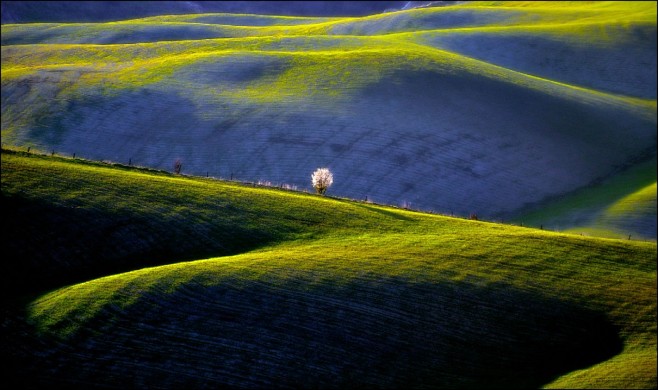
[218, 75]
[628, 195]
[129, 277]
[315, 290]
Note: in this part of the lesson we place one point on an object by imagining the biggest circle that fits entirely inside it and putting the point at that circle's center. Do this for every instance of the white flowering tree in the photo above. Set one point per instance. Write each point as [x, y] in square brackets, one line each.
[322, 179]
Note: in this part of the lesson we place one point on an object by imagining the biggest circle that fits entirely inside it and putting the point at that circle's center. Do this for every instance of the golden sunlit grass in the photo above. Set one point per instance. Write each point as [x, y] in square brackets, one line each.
[117, 245]
[324, 244]
[630, 196]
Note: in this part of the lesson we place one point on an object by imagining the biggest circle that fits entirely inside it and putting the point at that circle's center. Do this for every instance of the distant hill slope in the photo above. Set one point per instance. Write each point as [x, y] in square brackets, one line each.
[485, 108]
[99, 11]
[623, 206]
[319, 292]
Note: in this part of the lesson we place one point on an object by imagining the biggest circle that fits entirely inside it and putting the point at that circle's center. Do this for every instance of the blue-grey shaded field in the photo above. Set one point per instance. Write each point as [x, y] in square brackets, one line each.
[468, 108]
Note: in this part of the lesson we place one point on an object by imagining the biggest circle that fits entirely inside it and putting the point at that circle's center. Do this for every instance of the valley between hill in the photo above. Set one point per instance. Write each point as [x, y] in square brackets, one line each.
[120, 274]
[495, 108]
[308, 291]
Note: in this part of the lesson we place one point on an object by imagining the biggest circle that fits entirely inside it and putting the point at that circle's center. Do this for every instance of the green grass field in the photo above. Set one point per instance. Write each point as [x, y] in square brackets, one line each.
[622, 205]
[539, 113]
[482, 97]
[167, 280]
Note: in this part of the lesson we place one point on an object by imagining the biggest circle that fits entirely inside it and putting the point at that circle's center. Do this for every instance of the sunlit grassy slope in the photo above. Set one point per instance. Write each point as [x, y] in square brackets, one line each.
[623, 205]
[478, 107]
[315, 292]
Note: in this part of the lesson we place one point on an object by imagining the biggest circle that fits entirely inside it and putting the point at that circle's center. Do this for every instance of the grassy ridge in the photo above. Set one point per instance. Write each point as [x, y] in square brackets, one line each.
[130, 219]
[570, 19]
[629, 195]
[403, 95]
[321, 291]
[397, 36]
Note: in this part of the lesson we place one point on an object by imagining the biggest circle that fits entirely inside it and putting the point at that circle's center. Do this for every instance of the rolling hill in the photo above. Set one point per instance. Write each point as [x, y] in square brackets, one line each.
[113, 281]
[494, 108]
[605, 209]
[100, 11]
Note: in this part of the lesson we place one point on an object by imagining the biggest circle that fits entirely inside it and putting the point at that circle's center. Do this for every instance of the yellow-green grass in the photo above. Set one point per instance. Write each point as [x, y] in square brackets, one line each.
[233, 19]
[605, 208]
[142, 63]
[614, 221]
[627, 204]
[312, 60]
[108, 212]
[593, 55]
[590, 22]
[312, 63]
[335, 65]
[567, 17]
[318, 291]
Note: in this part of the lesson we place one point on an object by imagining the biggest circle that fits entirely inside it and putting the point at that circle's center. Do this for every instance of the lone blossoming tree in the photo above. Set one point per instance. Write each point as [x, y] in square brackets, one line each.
[322, 179]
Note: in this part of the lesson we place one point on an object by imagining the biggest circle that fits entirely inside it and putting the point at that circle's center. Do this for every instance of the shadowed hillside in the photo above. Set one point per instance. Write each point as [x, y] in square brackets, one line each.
[119, 273]
[469, 108]
[607, 209]
[97, 11]
[319, 292]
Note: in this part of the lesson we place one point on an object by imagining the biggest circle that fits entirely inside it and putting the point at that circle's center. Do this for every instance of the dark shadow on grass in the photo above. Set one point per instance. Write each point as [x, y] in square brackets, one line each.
[385, 212]
[386, 333]
[46, 246]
